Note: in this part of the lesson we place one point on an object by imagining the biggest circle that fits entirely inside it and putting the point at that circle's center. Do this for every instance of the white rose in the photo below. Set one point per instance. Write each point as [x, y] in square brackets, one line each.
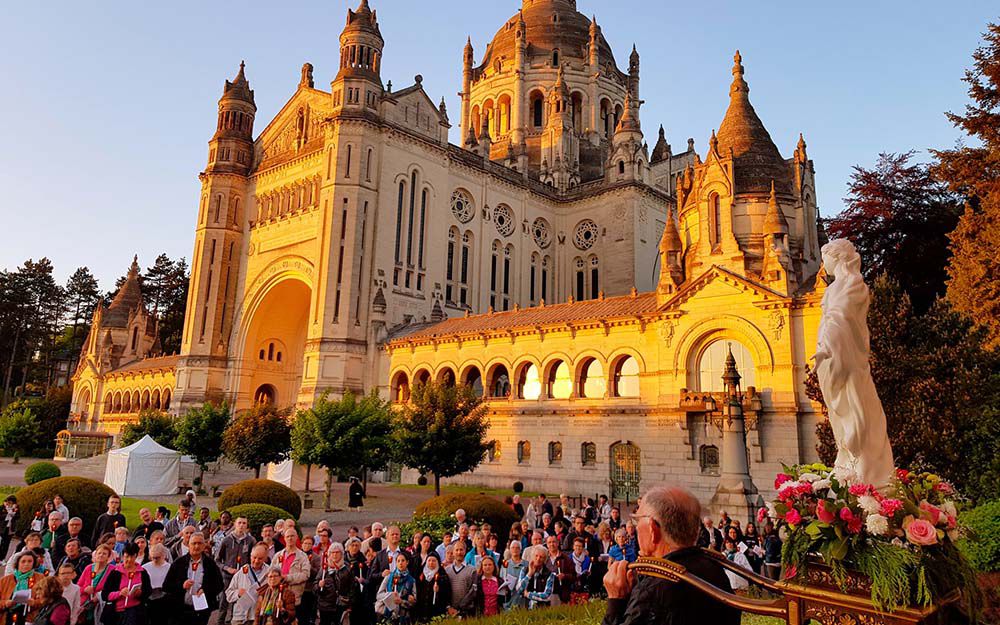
[877, 524]
[771, 512]
[821, 484]
[869, 504]
[845, 476]
[808, 477]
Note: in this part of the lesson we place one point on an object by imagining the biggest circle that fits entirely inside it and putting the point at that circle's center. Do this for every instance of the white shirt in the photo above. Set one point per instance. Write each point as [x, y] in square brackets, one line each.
[71, 594]
[64, 511]
[157, 573]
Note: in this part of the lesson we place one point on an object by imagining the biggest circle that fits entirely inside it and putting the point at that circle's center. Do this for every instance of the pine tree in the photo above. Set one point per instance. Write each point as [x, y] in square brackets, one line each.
[974, 270]
[81, 296]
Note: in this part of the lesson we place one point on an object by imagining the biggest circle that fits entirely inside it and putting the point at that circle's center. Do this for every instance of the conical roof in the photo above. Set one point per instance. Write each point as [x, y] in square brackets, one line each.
[757, 160]
[661, 148]
[671, 239]
[239, 87]
[128, 298]
[775, 221]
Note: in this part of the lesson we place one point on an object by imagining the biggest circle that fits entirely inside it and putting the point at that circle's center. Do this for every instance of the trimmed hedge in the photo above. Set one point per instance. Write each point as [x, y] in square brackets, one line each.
[479, 508]
[983, 547]
[41, 471]
[262, 491]
[87, 499]
[258, 515]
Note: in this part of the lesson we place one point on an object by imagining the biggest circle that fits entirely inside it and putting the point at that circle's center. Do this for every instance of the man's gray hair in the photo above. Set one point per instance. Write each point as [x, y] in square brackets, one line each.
[677, 511]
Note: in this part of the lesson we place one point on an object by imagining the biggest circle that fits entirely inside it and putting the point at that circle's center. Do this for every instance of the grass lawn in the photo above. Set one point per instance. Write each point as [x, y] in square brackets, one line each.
[131, 507]
[461, 489]
[589, 614]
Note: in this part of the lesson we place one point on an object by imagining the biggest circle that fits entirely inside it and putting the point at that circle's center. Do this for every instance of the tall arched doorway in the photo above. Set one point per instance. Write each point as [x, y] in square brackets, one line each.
[274, 346]
[626, 470]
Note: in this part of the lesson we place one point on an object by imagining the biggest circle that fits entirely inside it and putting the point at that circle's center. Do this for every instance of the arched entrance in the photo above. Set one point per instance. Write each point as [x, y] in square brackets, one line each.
[626, 470]
[274, 345]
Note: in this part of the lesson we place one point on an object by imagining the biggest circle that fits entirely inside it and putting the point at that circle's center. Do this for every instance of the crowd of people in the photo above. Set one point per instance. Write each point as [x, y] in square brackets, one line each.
[757, 551]
[190, 568]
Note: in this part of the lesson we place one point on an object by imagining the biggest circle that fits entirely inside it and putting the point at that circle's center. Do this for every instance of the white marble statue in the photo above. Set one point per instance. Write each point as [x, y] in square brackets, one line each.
[842, 349]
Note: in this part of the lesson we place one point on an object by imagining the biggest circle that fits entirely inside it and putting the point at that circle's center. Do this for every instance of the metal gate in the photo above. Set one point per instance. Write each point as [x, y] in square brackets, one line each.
[626, 470]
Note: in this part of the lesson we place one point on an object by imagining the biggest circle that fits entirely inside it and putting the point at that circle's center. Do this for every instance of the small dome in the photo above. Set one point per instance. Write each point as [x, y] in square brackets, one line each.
[550, 25]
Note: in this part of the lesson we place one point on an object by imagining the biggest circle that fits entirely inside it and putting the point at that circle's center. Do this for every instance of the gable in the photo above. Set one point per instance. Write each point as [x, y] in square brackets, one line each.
[412, 108]
[719, 288]
[296, 128]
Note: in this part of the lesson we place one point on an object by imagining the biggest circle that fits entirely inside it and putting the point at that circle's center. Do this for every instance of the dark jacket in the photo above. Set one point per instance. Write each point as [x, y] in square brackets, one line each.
[114, 583]
[78, 564]
[211, 583]
[430, 605]
[660, 602]
[565, 575]
[709, 541]
[57, 543]
[106, 524]
[339, 591]
[355, 495]
[145, 529]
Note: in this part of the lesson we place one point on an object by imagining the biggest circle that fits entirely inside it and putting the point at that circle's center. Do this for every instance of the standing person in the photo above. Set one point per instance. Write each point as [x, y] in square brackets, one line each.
[156, 569]
[622, 549]
[158, 538]
[488, 589]
[204, 523]
[180, 548]
[517, 506]
[52, 607]
[11, 513]
[267, 539]
[92, 583]
[128, 589]
[189, 500]
[109, 521]
[193, 584]
[364, 610]
[32, 544]
[75, 558]
[336, 588]
[709, 537]
[183, 519]
[275, 602]
[433, 590]
[511, 573]
[294, 565]
[307, 605]
[772, 552]
[70, 591]
[355, 495]
[398, 593]
[385, 560]
[148, 525]
[615, 521]
[560, 564]
[24, 577]
[667, 528]
[463, 582]
[55, 537]
[241, 593]
[233, 553]
[75, 532]
[604, 508]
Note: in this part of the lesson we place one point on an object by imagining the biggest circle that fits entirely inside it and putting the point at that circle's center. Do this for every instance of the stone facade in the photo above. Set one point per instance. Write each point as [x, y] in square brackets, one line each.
[351, 223]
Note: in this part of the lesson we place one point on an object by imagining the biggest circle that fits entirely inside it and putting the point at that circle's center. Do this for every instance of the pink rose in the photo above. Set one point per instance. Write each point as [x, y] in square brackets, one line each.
[804, 488]
[891, 507]
[823, 514]
[846, 514]
[792, 517]
[780, 479]
[790, 572]
[859, 489]
[921, 532]
[944, 487]
[931, 512]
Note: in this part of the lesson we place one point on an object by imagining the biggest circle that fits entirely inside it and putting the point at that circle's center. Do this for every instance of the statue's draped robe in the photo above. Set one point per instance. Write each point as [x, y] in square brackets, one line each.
[856, 414]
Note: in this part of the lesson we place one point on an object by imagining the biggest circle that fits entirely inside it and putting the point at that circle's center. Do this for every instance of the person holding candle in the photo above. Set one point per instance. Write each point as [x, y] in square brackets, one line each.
[128, 589]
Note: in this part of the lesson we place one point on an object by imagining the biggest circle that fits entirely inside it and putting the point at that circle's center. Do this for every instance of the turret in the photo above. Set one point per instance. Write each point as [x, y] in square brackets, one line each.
[359, 84]
[593, 47]
[671, 268]
[661, 151]
[633, 72]
[231, 148]
[560, 144]
[468, 58]
[777, 270]
[628, 159]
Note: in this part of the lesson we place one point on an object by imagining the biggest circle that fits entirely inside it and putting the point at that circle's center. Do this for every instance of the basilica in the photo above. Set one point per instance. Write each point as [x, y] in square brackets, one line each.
[591, 286]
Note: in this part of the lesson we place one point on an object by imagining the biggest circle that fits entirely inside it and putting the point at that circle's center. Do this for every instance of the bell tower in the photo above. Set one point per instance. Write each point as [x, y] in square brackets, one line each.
[358, 85]
[211, 304]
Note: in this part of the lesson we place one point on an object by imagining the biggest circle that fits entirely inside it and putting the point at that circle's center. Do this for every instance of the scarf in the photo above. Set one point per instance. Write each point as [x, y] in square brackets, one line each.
[429, 573]
[396, 581]
[23, 580]
[271, 605]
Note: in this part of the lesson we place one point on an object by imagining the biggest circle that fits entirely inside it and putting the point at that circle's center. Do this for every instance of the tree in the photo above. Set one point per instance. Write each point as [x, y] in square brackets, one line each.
[164, 287]
[81, 296]
[305, 441]
[199, 435]
[974, 171]
[346, 433]
[442, 430]
[258, 436]
[18, 432]
[898, 217]
[158, 425]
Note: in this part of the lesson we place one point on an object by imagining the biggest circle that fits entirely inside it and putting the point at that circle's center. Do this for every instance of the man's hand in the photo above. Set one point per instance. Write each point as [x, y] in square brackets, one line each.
[230, 570]
[618, 580]
[188, 584]
[242, 592]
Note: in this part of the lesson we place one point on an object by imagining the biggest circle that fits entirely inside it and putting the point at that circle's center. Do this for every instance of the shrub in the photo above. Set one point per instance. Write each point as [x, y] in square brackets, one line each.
[262, 491]
[40, 471]
[258, 515]
[87, 499]
[519, 487]
[983, 547]
[477, 507]
[435, 525]
[422, 480]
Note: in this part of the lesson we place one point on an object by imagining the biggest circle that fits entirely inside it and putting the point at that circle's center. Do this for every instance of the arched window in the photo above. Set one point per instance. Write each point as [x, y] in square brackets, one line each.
[712, 363]
[127, 403]
[400, 388]
[166, 399]
[399, 223]
[555, 58]
[155, 400]
[529, 385]
[144, 403]
[621, 167]
[494, 268]
[576, 103]
[588, 454]
[560, 384]
[409, 222]
[465, 269]
[264, 395]
[508, 252]
[546, 268]
[580, 278]
[708, 458]
[474, 380]
[449, 270]
[421, 377]
[715, 220]
[446, 376]
[537, 111]
[555, 452]
[592, 382]
[626, 378]
[493, 452]
[499, 382]
[523, 452]
[533, 279]
[109, 403]
[421, 233]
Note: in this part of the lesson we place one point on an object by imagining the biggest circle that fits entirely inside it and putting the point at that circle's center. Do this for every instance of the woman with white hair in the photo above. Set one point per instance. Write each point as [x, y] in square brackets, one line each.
[336, 588]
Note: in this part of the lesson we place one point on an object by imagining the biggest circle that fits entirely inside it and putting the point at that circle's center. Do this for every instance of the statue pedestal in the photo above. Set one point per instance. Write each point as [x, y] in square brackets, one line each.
[741, 502]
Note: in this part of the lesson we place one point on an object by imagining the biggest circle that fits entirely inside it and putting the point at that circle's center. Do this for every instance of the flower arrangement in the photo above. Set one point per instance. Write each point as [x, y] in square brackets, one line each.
[902, 537]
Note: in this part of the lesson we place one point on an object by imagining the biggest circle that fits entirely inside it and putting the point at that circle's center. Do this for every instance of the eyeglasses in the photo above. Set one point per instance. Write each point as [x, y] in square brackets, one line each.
[639, 517]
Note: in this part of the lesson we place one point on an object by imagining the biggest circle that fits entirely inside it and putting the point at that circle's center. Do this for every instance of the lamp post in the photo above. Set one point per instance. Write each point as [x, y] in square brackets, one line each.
[736, 492]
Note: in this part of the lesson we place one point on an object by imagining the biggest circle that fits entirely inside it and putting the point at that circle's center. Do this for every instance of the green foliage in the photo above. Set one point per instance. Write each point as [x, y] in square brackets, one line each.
[199, 434]
[257, 436]
[165, 288]
[160, 426]
[442, 430]
[19, 431]
[306, 439]
[261, 491]
[258, 515]
[434, 524]
[87, 499]
[477, 507]
[51, 412]
[40, 471]
[982, 546]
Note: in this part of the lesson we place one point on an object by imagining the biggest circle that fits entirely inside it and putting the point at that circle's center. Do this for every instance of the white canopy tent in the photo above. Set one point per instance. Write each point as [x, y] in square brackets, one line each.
[142, 469]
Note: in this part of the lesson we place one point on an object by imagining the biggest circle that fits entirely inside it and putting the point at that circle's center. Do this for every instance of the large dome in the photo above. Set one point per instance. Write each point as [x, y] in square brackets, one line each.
[551, 25]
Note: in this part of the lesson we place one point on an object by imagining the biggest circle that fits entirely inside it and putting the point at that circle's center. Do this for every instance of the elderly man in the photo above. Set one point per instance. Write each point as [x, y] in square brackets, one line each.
[193, 584]
[667, 527]
[75, 531]
[294, 564]
[709, 537]
[181, 547]
[385, 560]
[55, 536]
[377, 530]
[242, 590]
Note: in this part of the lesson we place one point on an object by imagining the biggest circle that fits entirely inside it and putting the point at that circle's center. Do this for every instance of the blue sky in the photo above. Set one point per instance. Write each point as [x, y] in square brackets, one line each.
[108, 106]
